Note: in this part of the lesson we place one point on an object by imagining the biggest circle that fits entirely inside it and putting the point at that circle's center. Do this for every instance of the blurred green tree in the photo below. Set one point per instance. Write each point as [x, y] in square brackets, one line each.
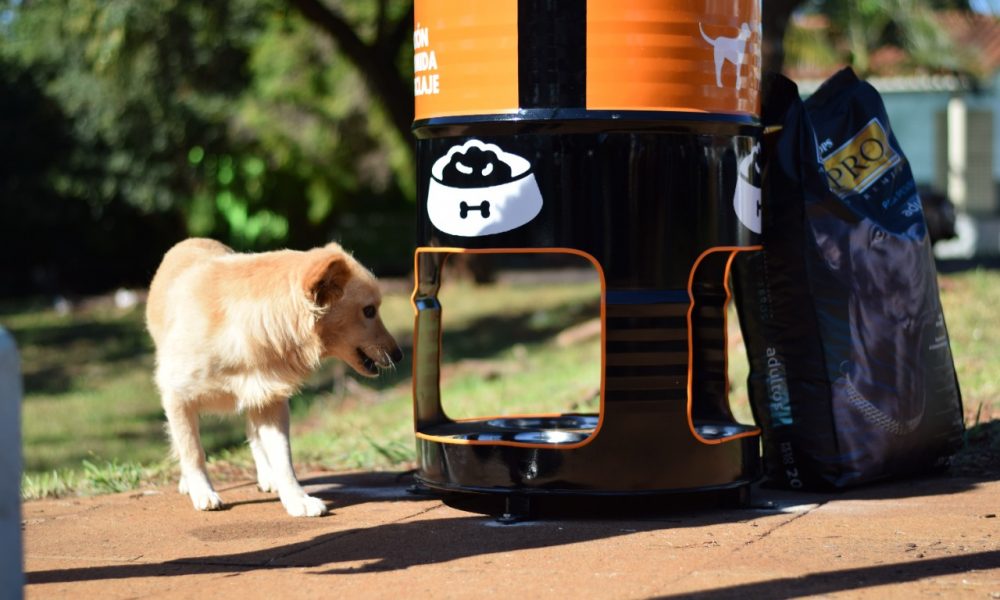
[231, 117]
[139, 82]
[376, 37]
[857, 28]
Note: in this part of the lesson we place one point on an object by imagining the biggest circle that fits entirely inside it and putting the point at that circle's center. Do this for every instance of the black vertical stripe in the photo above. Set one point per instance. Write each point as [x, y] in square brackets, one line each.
[552, 53]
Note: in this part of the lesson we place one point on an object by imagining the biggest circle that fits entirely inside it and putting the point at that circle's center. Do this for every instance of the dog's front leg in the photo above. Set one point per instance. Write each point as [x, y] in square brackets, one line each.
[185, 438]
[265, 481]
[271, 426]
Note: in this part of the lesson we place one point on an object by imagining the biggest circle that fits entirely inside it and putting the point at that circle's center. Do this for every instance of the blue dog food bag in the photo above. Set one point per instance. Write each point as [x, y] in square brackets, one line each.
[851, 372]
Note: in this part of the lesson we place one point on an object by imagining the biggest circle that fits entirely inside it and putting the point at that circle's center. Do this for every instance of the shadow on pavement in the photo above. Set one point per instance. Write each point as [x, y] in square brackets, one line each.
[387, 547]
[851, 579]
[420, 539]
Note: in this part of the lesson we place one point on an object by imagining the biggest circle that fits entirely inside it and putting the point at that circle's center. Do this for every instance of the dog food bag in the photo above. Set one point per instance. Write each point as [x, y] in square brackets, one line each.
[851, 373]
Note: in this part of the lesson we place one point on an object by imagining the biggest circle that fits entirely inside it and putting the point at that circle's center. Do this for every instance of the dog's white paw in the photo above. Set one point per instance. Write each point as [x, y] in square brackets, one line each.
[304, 506]
[265, 485]
[206, 500]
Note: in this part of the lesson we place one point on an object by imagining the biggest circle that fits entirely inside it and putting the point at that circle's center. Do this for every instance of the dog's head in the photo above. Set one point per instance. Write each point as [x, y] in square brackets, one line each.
[348, 299]
[883, 268]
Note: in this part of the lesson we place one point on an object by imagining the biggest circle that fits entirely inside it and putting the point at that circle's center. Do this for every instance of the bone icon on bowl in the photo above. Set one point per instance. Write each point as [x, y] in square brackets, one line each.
[479, 189]
[484, 209]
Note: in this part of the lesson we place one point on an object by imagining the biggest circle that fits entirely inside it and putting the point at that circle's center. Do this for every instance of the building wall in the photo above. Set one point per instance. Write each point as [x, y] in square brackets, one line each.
[914, 117]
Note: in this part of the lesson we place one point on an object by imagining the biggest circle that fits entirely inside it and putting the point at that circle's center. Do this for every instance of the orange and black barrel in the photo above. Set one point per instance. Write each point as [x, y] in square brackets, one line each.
[623, 131]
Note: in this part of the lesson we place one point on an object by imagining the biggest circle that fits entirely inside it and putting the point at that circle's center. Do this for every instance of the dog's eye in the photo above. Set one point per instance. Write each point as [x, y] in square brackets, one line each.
[370, 311]
[877, 235]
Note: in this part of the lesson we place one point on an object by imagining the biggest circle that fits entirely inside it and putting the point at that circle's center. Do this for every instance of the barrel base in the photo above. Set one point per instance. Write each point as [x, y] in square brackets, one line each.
[511, 507]
[612, 473]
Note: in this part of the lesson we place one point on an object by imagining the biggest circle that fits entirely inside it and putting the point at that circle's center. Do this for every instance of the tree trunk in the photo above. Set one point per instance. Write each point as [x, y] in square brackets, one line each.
[377, 61]
[777, 14]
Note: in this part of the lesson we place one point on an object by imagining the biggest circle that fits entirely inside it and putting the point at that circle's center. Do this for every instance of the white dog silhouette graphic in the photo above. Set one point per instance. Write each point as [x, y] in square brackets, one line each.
[727, 48]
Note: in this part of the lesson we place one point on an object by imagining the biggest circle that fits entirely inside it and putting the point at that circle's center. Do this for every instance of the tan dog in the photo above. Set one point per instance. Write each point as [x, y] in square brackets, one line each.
[240, 332]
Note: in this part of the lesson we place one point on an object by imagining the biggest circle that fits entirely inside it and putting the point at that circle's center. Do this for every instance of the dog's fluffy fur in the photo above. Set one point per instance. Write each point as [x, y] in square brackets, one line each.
[240, 332]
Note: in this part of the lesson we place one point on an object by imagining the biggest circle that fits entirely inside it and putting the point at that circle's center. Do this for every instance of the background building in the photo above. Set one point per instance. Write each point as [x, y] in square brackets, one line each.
[946, 123]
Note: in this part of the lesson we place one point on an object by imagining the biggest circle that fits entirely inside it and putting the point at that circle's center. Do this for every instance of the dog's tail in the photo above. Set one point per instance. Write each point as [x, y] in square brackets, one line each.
[707, 39]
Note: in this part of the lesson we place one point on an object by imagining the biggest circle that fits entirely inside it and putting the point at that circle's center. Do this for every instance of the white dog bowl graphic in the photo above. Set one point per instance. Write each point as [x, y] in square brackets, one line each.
[478, 189]
[746, 198]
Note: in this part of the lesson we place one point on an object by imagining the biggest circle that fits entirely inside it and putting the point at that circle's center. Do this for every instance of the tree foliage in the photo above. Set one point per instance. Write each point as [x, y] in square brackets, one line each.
[139, 83]
[857, 28]
[231, 119]
[377, 41]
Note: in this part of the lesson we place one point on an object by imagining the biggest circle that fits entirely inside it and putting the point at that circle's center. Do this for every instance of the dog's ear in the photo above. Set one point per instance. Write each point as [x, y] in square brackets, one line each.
[830, 235]
[326, 278]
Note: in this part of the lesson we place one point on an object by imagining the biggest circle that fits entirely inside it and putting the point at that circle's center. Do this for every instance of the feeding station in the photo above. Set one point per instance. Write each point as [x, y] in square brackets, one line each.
[626, 133]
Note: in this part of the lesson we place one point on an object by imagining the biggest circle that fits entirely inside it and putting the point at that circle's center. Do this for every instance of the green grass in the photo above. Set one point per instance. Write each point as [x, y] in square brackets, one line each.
[970, 307]
[500, 355]
[92, 478]
[92, 421]
[88, 388]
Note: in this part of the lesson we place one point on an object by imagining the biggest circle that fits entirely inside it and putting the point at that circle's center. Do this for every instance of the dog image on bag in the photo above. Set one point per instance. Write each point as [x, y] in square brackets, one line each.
[240, 332]
[888, 300]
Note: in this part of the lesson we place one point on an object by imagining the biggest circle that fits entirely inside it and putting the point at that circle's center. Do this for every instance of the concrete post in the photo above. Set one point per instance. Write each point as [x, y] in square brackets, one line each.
[11, 566]
[957, 152]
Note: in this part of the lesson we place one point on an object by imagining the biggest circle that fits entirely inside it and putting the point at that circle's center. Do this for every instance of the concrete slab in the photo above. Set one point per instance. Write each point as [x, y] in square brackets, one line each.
[935, 536]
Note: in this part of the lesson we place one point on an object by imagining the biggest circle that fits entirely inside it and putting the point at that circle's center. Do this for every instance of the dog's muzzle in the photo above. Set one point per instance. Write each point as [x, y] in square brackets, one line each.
[372, 366]
[483, 208]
